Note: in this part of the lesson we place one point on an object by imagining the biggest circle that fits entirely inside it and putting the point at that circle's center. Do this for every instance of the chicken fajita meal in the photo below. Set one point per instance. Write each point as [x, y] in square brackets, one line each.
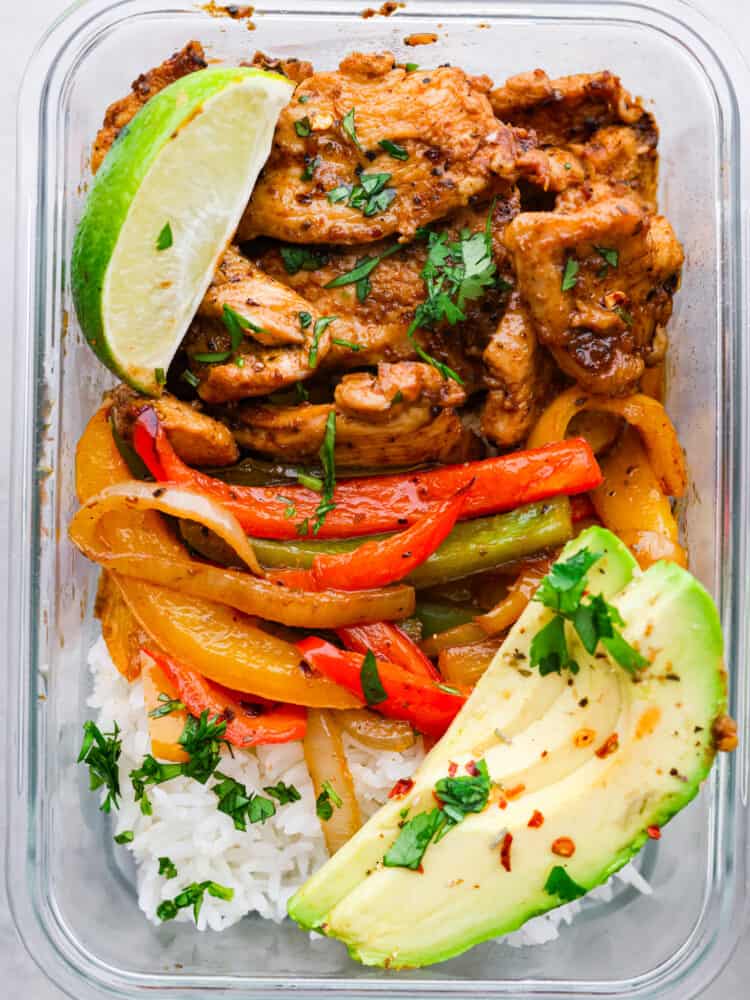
[398, 636]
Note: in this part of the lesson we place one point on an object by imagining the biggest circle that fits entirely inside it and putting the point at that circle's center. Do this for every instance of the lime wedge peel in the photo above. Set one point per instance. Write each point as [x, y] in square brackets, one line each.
[188, 160]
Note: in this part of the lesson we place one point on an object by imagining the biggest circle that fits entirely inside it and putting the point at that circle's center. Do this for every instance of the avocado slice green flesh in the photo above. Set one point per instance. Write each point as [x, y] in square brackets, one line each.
[560, 728]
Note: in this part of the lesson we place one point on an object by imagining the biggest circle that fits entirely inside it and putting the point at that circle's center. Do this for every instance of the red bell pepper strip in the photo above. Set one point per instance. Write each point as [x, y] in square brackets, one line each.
[382, 503]
[250, 721]
[581, 508]
[389, 642]
[429, 707]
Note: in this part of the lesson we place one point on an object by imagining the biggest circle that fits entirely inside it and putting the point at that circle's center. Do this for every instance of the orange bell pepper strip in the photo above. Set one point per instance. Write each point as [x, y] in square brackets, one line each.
[429, 707]
[382, 503]
[391, 643]
[250, 721]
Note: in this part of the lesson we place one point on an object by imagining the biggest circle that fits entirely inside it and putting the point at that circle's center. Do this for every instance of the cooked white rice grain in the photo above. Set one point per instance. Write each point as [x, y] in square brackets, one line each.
[267, 864]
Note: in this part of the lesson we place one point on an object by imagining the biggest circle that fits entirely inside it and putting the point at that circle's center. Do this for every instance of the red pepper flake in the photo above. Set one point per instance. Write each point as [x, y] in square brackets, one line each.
[513, 793]
[452, 768]
[609, 746]
[401, 788]
[505, 851]
[471, 768]
[502, 803]
[654, 832]
[536, 819]
[563, 847]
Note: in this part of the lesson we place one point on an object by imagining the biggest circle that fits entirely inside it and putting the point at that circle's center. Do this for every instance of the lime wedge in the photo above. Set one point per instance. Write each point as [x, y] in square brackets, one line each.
[162, 210]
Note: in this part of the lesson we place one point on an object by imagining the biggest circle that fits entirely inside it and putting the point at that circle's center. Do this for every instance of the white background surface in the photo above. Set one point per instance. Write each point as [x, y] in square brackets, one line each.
[21, 23]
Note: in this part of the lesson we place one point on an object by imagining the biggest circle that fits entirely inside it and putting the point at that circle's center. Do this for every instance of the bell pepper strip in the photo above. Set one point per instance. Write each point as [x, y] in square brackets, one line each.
[631, 504]
[464, 665]
[381, 503]
[486, 543]
[378, 563]
[648, 417]
[165, 722]
[389, 642]
[429, 707]
[439, 616]
[249, 723]
[217, 640]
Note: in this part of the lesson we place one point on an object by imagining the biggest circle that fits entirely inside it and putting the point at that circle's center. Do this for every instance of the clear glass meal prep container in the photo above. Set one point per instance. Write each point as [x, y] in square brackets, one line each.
[71, 890]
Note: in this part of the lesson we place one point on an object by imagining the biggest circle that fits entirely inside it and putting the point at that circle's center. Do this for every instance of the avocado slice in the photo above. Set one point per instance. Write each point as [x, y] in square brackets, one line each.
[601, 755]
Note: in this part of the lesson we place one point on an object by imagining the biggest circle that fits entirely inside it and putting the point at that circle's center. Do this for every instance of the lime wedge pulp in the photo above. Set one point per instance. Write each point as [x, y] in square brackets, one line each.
[162, 210]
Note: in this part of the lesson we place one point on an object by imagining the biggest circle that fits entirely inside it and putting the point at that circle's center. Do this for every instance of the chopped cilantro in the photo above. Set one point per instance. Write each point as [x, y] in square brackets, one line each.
[126, 837]
[311, 165]
[284, 794]
[303, 98]
[168, 705]
[609, 255]
[340, 193]
[372, 195]
[192, 895]
[411, 67]
[290, 510]
[327, 799]
[359, 275]
[159, 377]
[369, 678]
[302, 259]
[327, 455]
[624, 315]
[151, 772]
[593, 618]
[570, 274]
[465, 794]
[235, 801]
[167, 868]
[350, 128]
[393, 149]
[164, 240]
[413, 840]
[311, 482]
[302, 127]
[346, 343]
[300, 391]
[321, 325]
[190, 378]
[305, 319]
[101, 752]
[202, 738]
[560, 884]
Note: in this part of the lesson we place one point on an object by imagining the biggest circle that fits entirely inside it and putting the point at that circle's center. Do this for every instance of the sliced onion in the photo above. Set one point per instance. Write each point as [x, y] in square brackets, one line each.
[326, 761]
[375, 731]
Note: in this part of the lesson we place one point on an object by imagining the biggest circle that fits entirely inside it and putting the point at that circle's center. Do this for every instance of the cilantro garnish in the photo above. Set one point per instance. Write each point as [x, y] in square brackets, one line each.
[609, 255]
[190, 378]
[168, 705]
[302, 127]
[560, 884]
[415, 837]
[311, 165]
[455, 272]
[350, 129]
[359, 275]
[314, 483]
[302, 259]
[290, 508]
[457, 797]
[369, 678]
[167, 868]
[159, 377]
[202, 738]
[393, 149]
[192, 895]
[299, 390]
[303, 98]
[411, 67]
[164, 240]
[593, 618]
[570, 274]
[327, 455]
[235, 801]
[235, 324]
[321, 325]
[624, 315]
[339, 342]
[327, 799]
[126, 837]
[151, 772]
[284, 794]
[101, 752]
[370, 196]
[305, 319]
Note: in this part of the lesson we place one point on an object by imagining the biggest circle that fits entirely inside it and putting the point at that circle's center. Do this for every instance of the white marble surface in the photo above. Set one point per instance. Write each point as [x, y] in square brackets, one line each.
[20, 26]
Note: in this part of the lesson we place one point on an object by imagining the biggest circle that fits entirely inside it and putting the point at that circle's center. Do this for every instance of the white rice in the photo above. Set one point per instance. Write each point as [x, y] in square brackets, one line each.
[266, 864]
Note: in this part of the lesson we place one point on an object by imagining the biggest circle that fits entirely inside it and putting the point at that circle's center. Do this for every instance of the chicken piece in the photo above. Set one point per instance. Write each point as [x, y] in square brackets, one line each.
[517, 373]
[197, 438]
[378, 325]
[449, 148]
[286, 343]
[569, 109]
[271, 308]
[381, 420]
[617, 159]
[295, 69]
[120, 113]
[601, 330]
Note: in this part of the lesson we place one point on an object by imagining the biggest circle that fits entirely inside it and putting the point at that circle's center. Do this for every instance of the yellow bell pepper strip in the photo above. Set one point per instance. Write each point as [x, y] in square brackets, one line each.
[629, 497]
[220, 642]
[642, 412]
